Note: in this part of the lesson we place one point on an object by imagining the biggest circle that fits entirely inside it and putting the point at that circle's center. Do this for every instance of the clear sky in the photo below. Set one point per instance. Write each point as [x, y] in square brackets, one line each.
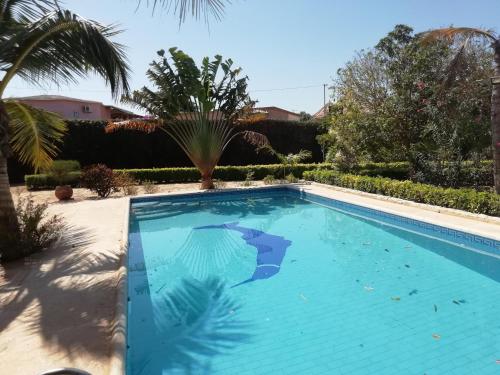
[280, 44]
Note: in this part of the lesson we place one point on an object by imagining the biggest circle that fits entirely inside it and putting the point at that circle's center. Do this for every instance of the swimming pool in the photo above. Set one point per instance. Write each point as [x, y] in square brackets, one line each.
[278, 281]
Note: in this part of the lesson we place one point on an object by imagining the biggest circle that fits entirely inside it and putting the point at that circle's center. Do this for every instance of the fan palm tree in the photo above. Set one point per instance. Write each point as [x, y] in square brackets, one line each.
[40, 41]
[192, 106]
[466, 33]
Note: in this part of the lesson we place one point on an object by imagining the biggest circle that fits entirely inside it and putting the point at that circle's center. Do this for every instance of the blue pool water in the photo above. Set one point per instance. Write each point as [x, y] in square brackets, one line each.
[276, 283]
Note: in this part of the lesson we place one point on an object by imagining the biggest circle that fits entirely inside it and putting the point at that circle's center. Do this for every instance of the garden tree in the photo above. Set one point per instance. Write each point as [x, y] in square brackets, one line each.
[304, 116]
[390, 103]
[465, 34]
[198, 109]
[40, 41]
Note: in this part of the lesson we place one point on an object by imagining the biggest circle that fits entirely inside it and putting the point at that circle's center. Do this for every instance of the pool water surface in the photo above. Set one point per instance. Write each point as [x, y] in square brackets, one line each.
[273, 283]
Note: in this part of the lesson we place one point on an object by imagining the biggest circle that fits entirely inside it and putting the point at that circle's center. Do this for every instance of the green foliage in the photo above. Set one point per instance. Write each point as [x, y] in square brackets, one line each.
[35, 134]
[249, 178]
[126, 183]
[269, 179]
[37, 231]
[149, 187]
[60, 170]
[462, 199]
[391, 103]
[222, 173]
[44, 181]
[197, 107]
[472, 174]
[99, 179]
[87, 142]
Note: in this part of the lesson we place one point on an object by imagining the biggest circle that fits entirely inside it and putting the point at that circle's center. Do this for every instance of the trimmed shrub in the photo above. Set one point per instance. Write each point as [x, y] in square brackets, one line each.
[462, 199]
[45, 181]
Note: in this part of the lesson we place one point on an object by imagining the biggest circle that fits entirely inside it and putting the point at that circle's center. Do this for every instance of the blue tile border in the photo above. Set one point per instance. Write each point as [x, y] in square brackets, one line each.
[460, 238]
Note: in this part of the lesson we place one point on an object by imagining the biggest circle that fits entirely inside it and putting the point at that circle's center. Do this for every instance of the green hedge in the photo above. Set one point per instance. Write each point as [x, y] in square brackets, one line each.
[173, 175]
[44, 181]
[224, 173]
[462, 199]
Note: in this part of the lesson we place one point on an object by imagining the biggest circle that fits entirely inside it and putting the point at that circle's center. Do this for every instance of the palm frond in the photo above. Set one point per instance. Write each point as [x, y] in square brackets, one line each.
[197, 8]
[35, 134]
[451, 33]
[61, 46]
[17, 10]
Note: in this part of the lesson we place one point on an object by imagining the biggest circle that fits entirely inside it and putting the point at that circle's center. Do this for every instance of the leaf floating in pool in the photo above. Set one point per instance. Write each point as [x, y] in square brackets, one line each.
[456, 302]
[293, 260]
[407, 266]
[396, 298]
[387, 250]
[436, 336]
[369, 288]
[413, 292]
[462, 301]
[435, 308]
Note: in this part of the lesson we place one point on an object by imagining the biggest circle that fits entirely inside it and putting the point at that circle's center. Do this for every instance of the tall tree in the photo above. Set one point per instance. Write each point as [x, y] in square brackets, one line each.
[194, 106]
[390, 105]
[450, 34]
[40, 41]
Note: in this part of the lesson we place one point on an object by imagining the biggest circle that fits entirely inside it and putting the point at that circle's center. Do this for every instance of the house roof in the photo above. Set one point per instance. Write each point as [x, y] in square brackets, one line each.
[53, 98]
[325, 110]
[276, 108]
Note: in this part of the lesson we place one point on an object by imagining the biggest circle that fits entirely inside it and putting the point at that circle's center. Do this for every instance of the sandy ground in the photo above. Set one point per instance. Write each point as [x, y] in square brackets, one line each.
[57, 308]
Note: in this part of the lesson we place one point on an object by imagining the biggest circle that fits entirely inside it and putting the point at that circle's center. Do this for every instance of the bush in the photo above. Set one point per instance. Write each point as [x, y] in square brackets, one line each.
[471, 175]
[462, 199]
[45, 181]
[149, 187]
[269, 179]
[60, 171]
[36, 231]
[127, 183]
[99, 179]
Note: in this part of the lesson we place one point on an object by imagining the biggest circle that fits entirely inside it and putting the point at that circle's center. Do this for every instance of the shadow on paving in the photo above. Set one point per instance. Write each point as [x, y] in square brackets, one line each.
[62, 294]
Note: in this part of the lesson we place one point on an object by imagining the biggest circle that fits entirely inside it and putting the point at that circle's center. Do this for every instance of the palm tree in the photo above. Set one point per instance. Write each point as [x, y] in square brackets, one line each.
[207, 8]
[199, 113]
[40, 41]
[466, 33]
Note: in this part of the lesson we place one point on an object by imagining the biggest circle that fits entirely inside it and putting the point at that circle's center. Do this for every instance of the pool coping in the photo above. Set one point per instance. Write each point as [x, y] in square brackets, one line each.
[119, 328]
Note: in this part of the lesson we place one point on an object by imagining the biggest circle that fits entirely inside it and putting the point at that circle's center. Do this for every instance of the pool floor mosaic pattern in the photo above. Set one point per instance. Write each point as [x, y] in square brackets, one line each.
[346, 296]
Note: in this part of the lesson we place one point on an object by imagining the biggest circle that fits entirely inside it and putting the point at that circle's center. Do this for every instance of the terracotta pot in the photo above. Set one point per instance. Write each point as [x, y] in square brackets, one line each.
[64, 192]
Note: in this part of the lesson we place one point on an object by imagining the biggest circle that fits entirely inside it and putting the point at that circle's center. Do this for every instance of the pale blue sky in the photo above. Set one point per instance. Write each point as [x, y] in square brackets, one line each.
[279, 43]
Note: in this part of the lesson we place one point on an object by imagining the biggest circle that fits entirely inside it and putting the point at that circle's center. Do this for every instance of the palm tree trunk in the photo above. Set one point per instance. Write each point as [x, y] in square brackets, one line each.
[495, 119]
[206, 181]
[8, 217]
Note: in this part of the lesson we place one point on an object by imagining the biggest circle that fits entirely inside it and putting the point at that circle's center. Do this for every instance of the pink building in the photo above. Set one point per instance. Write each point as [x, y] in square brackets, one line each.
[76, 109]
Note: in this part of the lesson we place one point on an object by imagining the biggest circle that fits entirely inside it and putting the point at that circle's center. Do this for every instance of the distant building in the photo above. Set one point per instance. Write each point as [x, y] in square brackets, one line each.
[76, 109]
[275, 113]
[323, 112]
